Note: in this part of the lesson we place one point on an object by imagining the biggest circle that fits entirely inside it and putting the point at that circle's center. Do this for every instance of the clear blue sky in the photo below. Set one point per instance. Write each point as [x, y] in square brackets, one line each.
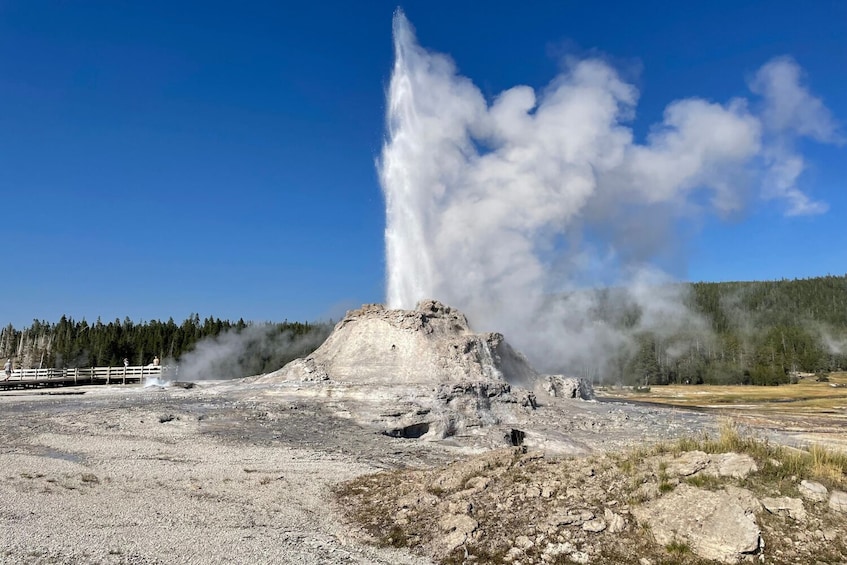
[163, 158]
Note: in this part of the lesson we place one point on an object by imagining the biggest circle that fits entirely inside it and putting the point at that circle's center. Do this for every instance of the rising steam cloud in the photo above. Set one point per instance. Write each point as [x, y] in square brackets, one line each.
[254, 350]
[504, 209]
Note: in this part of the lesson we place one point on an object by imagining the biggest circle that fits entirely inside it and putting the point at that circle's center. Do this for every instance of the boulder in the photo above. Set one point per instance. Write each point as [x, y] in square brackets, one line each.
[712, 524]
[744, 498]
[560, 386]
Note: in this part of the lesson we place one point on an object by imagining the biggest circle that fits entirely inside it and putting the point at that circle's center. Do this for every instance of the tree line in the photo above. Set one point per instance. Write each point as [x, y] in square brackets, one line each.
[70, 343]
[762, 333]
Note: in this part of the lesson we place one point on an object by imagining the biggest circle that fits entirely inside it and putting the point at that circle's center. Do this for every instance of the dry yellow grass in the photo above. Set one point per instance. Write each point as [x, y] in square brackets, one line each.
[813, 411]
[808, 395]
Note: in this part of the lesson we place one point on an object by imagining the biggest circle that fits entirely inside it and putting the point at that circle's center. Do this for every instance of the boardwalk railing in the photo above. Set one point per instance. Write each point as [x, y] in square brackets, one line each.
[82, 375]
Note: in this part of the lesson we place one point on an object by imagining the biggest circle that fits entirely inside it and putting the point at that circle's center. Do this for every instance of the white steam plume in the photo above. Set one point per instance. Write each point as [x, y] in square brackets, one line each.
[253, 350]
[498, 207]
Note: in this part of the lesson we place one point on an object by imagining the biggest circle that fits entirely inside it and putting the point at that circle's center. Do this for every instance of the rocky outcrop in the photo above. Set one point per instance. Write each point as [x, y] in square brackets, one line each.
[519, 506]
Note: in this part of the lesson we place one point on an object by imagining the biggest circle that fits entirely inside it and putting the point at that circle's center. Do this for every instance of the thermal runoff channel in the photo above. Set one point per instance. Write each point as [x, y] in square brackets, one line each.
[510, 208]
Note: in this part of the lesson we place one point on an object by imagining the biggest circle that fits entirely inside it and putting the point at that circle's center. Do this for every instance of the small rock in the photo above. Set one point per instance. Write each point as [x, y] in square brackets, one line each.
[166, 418]
[523, 543]
[594, 526]
[616, 522]
[647, 491]
[793, 507]
[644, 561]
[513, 554]
[460, 507]
[838, 501]
[572, 518]
[687, 464]
[555, 549]
[457, 528]
[183, 384]
[579, 557]
[734, 465]
[811, 490]
[453, 522]
[478, 483]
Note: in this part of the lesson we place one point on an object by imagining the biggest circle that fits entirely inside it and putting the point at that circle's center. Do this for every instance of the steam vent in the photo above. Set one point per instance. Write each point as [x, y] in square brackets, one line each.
[423, 372]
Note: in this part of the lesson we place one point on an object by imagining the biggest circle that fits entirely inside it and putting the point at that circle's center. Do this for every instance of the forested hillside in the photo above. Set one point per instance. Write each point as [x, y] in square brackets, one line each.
[747, 332]
[70, 343]
[759, 333]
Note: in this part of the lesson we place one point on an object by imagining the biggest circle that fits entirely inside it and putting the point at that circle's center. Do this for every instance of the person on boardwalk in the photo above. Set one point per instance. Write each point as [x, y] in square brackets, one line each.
[7, 368]
[126, 362]
[156, 361]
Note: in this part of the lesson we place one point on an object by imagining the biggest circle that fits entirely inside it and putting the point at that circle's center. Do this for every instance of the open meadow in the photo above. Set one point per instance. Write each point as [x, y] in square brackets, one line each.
[811, 411]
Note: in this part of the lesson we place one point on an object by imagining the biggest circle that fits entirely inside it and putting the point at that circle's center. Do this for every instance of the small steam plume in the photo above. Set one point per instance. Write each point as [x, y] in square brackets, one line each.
[509, 209]
[254, 350]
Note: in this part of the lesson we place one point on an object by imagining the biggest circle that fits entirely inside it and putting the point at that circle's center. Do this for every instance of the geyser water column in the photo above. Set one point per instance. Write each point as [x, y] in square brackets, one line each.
[448, 232]
[470, 227]
[411, 167]
[503, 208]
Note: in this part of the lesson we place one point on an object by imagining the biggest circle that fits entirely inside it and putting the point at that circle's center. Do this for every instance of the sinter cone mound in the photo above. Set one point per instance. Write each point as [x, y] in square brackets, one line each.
[431, 345]
[424, 373]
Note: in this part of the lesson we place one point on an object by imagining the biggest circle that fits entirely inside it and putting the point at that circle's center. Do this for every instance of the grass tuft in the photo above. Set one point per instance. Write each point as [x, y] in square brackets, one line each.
[678, 548]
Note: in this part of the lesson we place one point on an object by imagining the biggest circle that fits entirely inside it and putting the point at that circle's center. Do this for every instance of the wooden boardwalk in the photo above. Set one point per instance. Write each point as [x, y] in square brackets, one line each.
[32, 378]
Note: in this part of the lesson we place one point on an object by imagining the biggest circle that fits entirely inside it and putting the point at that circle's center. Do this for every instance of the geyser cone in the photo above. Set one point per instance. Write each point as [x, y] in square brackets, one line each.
[429, 345]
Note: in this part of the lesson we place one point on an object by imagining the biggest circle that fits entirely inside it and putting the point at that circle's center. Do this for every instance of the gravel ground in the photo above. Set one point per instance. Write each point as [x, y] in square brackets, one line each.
[146, 476]
[213, 475]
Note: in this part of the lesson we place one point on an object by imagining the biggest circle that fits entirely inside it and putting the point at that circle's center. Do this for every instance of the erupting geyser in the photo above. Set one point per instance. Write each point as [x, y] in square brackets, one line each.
[505, 208]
